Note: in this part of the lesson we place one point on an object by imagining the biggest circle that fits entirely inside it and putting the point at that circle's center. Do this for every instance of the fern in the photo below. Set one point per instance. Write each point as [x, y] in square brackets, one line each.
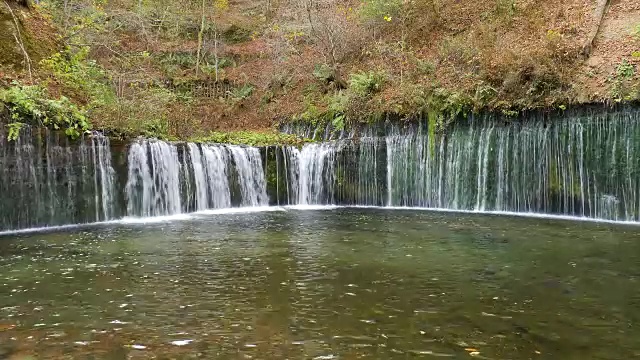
[367, 83]
[14, 130]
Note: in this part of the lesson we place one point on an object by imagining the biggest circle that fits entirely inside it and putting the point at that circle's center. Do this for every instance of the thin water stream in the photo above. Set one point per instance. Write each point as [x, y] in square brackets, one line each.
[338, 284]
[583, 163]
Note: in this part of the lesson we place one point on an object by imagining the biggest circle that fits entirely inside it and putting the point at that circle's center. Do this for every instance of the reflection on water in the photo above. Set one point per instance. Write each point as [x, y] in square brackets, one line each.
[339, 284]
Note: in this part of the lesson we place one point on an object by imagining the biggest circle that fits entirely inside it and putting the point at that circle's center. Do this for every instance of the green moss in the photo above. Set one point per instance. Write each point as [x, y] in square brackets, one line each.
[10, 53]
[251, 138]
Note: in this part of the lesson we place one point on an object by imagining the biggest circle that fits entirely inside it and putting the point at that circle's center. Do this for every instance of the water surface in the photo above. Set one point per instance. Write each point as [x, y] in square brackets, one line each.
[338, 284]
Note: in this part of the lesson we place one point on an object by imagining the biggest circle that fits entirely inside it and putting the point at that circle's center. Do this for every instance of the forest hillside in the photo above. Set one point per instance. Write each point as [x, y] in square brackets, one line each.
[182, 69]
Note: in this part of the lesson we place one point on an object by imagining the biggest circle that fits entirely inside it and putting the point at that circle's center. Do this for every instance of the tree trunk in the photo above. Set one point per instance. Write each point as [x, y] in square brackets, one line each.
[66, 15]
[599, 16]
[200, 36]
[215, 51]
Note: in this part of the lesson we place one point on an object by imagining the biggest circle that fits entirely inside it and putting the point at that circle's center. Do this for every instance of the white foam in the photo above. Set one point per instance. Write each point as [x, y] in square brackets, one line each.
[314, 207]
[56, 228]
[502, 213]
[241, 210]
[247, 210]
[154, 219]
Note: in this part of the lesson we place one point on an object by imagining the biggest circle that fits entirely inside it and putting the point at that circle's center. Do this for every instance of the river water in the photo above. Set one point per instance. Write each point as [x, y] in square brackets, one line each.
[330, 283]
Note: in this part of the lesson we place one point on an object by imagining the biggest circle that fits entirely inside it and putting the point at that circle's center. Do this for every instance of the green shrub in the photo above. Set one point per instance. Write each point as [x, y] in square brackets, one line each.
[625, 70]
[31, 104]
[242, 92]
[337, 106]
[338, 102]
[505, 9]
[448, 105]
[425, 67]
[323, 72]
[380, 10]
[312, 113]
[79, 73]
[172, 63]
[147, 113]
[14, 130]
[624, 88]
[311, 90]
[367, 83]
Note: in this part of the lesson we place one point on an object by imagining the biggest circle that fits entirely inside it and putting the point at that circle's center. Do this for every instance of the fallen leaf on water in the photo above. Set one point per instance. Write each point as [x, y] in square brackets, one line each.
[4, 327]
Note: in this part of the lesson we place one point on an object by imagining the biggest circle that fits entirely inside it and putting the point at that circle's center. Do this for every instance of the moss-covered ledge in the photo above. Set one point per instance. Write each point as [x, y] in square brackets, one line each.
[438, 120]
[252, 138]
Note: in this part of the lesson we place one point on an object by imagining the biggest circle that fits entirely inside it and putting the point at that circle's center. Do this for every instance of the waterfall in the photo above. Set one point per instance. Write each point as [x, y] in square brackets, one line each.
[167, 179]
[201, 193]
[576, 164]
[316, 174]
[47, 180]
[104, 177]
[153, 185]
[579, 163]
[216, 182]
[251, 177]
[369, 168]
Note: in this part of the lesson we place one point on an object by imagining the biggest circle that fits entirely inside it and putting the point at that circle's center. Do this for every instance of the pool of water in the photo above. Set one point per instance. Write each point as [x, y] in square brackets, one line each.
[324, 284]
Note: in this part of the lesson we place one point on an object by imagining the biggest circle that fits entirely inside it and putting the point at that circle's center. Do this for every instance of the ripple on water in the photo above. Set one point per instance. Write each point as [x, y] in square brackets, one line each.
[325, 285]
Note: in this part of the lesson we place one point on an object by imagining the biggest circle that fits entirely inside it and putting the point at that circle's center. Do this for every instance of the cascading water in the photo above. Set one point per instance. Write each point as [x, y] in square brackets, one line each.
[582, 167]
[251, 178]
[216, 159]
[579, 164]
[586, 165]
[153, 186]
[168, 179]
[316, 175]
[369, 183]
[46, 180]
[104, 178]
[211, 182]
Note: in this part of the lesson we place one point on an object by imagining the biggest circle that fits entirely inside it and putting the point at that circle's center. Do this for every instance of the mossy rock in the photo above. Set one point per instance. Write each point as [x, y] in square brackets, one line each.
[11, 54]
[236, 34]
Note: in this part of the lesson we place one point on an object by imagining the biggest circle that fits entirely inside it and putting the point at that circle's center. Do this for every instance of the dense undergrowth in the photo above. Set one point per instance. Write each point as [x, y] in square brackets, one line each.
[32, 105]
[227, 72]
[251, 138]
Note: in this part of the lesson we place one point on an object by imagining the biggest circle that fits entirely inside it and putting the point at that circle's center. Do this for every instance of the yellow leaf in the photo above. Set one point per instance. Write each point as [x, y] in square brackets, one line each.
[221, 4]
